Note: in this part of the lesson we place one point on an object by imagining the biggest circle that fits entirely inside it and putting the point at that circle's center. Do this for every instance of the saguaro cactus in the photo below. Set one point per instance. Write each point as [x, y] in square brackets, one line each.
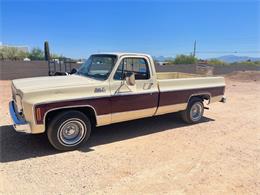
[46, 51]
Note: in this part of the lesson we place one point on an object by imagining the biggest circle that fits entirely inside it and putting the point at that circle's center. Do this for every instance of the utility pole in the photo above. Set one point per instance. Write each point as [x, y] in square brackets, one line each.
[194, 48]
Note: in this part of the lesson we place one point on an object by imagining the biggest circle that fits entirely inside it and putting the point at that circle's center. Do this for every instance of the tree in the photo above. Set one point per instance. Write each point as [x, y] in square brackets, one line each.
[21, 55]
[36, 54]
[12, 53]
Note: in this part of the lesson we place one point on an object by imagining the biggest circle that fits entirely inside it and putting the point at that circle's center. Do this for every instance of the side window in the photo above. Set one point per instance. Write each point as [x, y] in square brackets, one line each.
[128, 66]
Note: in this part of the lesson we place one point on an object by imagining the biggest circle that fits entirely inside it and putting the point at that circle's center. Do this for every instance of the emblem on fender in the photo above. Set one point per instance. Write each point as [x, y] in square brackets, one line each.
[100, 90]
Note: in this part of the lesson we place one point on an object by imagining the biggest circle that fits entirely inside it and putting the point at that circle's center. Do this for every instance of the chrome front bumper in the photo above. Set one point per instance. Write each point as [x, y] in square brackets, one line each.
[19, 124]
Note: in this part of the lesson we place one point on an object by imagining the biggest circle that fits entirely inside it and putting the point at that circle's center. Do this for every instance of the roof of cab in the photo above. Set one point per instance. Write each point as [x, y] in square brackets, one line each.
[122, 53]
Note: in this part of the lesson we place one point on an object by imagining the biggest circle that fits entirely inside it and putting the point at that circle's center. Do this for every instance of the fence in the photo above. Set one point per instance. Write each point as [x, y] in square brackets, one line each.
[21, 69]
[214, 70]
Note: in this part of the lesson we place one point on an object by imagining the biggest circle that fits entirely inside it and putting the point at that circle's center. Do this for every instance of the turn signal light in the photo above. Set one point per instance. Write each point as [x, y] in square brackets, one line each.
[38, 114]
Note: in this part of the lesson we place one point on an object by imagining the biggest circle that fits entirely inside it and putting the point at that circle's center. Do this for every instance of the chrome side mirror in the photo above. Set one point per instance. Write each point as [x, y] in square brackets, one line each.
[130, 80]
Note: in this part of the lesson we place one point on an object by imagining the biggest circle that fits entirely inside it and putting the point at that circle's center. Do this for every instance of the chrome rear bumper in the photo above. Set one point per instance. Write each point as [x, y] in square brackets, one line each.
[19, 124]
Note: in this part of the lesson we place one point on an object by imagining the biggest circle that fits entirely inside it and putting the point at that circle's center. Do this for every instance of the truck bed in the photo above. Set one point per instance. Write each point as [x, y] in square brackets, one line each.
[177, 88]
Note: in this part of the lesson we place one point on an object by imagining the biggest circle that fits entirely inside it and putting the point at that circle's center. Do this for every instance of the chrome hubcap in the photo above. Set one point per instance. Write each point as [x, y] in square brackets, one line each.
[196, 111]
[71, 132]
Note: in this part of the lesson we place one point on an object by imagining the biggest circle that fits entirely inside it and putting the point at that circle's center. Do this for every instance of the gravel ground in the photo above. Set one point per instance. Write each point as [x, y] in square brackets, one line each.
[221, 155]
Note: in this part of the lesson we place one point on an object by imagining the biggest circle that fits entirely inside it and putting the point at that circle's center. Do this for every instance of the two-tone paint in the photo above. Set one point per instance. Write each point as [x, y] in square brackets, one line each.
[112, 100]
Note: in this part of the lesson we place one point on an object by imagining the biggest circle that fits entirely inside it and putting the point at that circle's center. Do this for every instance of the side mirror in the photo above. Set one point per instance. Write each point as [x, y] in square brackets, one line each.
[130, 80]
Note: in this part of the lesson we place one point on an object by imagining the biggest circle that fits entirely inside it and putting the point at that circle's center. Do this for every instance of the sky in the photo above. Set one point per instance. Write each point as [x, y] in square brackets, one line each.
[161, 28]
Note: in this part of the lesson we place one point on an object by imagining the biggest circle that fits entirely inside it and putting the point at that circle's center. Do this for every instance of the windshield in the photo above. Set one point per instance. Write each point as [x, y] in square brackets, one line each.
[98, 66]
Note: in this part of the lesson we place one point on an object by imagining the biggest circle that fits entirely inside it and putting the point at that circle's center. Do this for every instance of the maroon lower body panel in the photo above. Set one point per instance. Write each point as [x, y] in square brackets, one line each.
[101, 105]
[124, 103]
[104, 105]
[182, 96]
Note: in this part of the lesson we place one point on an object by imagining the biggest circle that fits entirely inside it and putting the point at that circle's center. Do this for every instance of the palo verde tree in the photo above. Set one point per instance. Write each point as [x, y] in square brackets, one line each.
[36, 54]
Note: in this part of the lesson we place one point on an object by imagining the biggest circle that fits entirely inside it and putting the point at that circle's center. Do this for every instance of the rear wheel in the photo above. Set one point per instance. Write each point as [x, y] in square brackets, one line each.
[68, 130]
[194, 111]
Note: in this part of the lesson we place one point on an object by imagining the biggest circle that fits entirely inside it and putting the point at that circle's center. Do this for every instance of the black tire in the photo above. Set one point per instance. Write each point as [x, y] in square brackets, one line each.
[68, 130]
[187, 115]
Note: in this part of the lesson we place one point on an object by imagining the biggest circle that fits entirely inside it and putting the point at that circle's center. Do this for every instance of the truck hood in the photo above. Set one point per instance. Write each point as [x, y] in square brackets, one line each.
[46, 83]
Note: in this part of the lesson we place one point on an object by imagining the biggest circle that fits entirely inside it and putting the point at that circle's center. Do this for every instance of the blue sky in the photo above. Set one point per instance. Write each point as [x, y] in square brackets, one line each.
[79, 28]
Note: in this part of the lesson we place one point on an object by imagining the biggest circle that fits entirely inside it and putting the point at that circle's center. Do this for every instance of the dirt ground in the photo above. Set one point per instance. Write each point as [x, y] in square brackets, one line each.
[221, 155]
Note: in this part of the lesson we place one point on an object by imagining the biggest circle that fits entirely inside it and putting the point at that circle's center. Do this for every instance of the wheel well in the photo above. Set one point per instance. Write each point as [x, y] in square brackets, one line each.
[201, 96]
[88, 111]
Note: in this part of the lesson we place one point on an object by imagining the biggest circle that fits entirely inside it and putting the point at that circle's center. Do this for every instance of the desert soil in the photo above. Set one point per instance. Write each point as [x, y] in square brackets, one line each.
[220, 155]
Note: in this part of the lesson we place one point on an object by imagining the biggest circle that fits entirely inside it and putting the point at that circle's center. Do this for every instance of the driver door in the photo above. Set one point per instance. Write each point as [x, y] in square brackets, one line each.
[137, 100]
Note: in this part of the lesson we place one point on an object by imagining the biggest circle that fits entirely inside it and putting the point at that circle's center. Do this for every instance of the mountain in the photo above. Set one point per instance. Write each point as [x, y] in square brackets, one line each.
[226, 58]
[162, 58]
[233, 58]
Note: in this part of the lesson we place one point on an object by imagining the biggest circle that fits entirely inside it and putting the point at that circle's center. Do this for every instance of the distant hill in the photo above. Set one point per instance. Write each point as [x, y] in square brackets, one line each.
[233, 58]
[226, 58]
[162, 58]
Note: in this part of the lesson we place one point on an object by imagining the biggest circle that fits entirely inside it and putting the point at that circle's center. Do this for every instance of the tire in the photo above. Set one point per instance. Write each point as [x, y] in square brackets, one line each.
[68, 130]
[194, 111]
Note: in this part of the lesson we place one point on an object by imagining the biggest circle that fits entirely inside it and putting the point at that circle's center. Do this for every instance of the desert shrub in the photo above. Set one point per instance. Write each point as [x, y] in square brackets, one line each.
[185, 59]
[252, 63]
[170, 60]
[216, 62]
[12, 53]
[36, 54]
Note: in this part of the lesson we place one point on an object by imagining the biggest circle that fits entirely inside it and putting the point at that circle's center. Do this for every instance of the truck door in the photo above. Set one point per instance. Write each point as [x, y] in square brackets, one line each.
[132, 101]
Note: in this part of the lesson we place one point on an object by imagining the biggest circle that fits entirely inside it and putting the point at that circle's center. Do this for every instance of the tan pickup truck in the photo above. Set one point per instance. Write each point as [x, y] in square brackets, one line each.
[108, 88]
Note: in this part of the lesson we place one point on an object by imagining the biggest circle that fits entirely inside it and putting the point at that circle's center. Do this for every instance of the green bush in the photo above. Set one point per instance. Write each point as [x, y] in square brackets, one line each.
[185, 59]
[216, 62]
[12, 53]
[36, 54]
[253, 63]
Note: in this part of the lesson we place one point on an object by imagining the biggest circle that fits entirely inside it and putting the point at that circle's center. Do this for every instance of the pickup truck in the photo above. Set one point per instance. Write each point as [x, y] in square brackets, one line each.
[108, 88]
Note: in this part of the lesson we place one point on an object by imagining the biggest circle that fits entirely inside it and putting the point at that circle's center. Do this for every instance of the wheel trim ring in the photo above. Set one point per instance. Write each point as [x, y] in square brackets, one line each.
[196, 111]
[83, 132]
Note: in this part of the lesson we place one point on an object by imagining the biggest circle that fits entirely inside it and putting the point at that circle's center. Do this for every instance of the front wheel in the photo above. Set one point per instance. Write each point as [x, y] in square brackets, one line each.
[194, 111]
[68, 130]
